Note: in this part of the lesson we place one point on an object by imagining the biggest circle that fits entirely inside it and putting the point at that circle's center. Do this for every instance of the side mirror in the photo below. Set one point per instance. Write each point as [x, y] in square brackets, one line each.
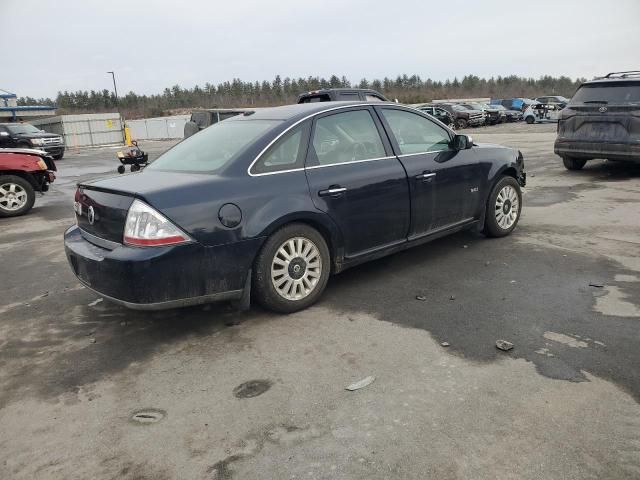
[462, 142]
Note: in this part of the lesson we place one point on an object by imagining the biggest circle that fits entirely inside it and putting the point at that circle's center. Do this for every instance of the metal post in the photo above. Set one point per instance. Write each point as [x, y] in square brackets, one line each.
[115, 89]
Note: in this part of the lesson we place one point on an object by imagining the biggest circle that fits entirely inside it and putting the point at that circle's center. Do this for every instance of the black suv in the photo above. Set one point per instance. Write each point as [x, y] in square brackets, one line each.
[25, 135]
[205, 117]
[342, 95]
[602, 120]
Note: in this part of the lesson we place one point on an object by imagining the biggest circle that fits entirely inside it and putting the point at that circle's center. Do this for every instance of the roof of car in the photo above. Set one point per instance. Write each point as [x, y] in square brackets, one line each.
[341, 89]
[288, 112]
[627, 76]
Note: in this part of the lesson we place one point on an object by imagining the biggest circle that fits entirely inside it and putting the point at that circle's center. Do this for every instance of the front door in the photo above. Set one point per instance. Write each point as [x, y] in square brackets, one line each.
[354, 177]
[444, 182]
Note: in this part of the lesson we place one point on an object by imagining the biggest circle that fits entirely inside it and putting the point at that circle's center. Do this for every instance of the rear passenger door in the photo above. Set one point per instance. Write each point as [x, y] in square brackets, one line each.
[354, 177]
[444, 183]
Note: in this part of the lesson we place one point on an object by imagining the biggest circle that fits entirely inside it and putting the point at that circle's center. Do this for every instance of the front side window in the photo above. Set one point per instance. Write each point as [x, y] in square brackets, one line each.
[346, 137]
[416, 134]
[287, 153]
[213, 147]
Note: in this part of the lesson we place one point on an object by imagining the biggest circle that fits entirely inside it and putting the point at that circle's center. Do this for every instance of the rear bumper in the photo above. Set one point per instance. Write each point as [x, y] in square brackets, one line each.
[161, 277]
[588, 150]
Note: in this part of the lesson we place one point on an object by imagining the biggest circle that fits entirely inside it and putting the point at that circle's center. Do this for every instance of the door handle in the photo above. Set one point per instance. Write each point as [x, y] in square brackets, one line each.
[332, 192]
[426, 176]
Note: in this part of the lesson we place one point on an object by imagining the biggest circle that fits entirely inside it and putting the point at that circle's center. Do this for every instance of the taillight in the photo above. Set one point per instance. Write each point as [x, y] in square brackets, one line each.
[145, 227]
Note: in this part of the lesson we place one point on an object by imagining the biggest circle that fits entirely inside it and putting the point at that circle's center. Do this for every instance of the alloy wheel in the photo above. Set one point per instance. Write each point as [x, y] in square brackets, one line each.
[507, 207]
[296, 268]
[12, 197]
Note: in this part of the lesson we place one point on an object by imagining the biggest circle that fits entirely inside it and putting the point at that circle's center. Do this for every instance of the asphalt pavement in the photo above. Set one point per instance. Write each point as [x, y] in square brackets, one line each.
[89, 389]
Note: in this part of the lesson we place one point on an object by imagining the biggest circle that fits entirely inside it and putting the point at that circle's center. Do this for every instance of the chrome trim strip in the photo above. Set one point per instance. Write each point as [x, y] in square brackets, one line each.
[274, 173]
[294, 125]
[421, 153]
[182, 302]
[100, 242]
[348, 163]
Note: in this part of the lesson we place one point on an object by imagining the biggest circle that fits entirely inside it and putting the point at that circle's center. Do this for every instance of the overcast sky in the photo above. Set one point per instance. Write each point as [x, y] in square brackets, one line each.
[151, 44]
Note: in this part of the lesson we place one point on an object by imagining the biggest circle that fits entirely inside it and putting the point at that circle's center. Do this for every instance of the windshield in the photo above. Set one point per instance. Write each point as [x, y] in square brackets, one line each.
[459, 108]
[22, 128]
[619, 92]
[496, 107]
[213, 147]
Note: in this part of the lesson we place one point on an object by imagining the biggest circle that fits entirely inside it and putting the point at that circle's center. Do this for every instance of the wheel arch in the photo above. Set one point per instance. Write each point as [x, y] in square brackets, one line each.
[320, 222]
[508, 170]
[24, 175]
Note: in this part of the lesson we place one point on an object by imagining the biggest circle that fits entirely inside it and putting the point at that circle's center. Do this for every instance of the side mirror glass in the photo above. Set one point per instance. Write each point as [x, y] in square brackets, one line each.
[462, 142]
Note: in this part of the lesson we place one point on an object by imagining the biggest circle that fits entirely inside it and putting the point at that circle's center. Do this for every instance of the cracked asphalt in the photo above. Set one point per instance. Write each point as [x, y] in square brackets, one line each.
[91, 390]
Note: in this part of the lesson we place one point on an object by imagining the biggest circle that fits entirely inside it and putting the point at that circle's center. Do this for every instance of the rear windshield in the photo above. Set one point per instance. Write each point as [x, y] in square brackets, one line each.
[622, 92]
[212, 148]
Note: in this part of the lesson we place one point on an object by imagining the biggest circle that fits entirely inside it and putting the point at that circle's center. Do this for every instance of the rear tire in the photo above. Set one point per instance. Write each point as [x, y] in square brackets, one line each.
[292, 269]
[503, 208]
[571, 163]
[17, 196]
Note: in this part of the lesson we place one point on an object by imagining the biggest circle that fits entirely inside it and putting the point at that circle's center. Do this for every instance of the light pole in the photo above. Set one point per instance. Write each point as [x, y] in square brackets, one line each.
[115, 89]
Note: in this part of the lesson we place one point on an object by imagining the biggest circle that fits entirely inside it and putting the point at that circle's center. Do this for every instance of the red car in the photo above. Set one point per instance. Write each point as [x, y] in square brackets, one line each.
[22, 173]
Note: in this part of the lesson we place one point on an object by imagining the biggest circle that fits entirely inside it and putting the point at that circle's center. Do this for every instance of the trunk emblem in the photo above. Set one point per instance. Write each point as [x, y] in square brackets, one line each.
[91, 216]
[602, 109]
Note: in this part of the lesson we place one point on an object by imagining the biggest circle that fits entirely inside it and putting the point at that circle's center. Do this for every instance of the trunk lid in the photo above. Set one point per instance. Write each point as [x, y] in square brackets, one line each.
[600, 123]
[102, 213]
[102, 205]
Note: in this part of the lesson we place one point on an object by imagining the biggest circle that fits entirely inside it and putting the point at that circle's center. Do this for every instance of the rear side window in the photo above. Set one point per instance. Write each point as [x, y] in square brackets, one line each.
[286, 154]
[225, 115]
[315, 99]
[416, 134]
[618, 92]
[346, 137]
[348, 96]
[213, 147]
[201, 118]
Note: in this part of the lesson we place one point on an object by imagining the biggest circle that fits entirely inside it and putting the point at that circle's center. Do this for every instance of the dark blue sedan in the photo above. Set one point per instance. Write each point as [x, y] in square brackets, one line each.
[268, 204]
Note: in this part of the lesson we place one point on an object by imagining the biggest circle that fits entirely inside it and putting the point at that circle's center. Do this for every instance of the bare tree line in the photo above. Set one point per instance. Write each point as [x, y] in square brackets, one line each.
[238, 93]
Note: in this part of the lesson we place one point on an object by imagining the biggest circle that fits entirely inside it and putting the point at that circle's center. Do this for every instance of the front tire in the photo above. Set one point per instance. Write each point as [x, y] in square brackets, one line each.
[503, 208]
[17, 196]
[461, 123]
[292, 269]
[571, 163]
[530, 120]
[58, 156]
